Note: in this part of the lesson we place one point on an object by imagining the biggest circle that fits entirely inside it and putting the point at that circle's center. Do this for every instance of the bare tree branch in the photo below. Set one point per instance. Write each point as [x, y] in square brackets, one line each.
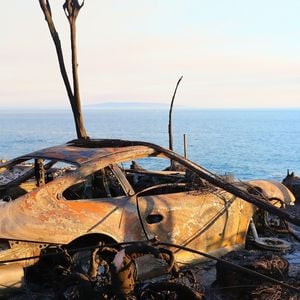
[71, 8]
[170, 116]
[76, 108]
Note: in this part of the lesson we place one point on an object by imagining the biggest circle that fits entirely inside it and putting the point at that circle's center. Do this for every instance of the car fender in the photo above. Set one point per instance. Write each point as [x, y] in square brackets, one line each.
[274, 190]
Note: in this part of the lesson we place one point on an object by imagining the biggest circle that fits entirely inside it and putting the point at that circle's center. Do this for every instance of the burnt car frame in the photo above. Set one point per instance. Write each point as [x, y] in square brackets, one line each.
[99, 199]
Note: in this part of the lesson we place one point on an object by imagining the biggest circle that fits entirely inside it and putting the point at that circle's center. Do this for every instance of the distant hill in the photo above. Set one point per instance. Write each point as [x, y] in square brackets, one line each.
[130, 105]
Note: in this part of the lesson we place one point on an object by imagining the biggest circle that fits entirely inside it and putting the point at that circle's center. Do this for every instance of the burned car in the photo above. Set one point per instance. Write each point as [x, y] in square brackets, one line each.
[85, 192]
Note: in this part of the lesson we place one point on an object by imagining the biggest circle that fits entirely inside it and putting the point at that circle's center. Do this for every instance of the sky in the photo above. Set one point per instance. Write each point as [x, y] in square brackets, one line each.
[232, 54]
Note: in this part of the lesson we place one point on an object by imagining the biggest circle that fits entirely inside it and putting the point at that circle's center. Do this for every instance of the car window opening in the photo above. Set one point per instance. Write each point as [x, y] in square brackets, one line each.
[152, 175]
[101, 184]
[23, 176]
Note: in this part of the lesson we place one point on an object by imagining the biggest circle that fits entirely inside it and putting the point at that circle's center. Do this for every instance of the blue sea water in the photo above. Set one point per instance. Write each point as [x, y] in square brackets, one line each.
[247, 143]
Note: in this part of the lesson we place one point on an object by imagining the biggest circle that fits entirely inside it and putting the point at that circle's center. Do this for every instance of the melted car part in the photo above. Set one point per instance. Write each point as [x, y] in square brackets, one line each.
[271, 243]
[139, 262]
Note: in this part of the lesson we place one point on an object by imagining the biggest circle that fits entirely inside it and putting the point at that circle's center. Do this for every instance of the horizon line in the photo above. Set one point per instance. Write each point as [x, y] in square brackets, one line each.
[140, 107]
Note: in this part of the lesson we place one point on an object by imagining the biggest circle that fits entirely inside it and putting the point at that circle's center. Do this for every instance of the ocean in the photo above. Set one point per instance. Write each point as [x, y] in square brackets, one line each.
[249, 144]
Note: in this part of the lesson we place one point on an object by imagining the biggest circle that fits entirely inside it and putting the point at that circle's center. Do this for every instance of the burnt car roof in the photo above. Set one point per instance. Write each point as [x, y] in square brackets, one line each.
[71, 154]
[81, 151]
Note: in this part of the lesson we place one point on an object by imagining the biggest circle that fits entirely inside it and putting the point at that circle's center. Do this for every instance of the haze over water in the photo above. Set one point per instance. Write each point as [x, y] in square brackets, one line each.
[248, 143]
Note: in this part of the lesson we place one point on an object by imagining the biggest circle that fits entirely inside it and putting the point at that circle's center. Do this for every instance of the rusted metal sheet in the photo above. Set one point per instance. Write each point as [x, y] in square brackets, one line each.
[208, 222]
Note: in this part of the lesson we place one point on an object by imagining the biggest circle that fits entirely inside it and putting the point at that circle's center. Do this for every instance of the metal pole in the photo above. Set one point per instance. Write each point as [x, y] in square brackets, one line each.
[185, 145]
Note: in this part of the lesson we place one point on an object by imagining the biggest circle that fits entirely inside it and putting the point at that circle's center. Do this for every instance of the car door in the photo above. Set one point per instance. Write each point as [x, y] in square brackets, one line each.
[178, 207]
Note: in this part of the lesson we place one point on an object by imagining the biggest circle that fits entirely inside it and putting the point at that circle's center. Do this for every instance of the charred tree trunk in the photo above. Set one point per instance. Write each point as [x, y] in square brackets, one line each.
[72, 8]
[74, 98]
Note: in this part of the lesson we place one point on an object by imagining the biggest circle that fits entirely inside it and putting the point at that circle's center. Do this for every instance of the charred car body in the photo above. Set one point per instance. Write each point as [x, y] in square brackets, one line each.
[85, 192]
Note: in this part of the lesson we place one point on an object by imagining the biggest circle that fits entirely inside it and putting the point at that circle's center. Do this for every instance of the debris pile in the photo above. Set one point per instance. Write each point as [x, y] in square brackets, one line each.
[149, 271]
[275, 292]
[137, 271]
[235, 286]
